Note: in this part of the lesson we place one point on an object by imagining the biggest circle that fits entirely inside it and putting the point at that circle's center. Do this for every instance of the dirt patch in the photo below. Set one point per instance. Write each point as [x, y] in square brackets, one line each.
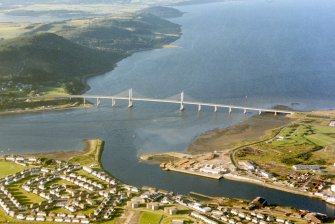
[251, 129]
[249, 151]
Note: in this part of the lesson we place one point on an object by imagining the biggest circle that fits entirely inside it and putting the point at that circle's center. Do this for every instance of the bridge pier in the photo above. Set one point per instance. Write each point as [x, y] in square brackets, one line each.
[113, 102]
[98, 102]
[245, 111]
[199, 107]
[181, 101]
[84, 101]
[215, 108]
[130, 99]
[275, 113]
[230, 110]
[259, 112]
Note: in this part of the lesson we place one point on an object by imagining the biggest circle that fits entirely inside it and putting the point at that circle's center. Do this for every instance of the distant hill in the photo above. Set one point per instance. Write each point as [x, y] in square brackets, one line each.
[162, 11]
[48, 57]
[58, 56]
[128, 34]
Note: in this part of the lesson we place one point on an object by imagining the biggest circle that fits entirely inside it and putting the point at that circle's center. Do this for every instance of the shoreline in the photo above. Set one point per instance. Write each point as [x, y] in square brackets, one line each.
[84, 79]
[244, 179]
[37, 110]
[253, 129]
[158, 158]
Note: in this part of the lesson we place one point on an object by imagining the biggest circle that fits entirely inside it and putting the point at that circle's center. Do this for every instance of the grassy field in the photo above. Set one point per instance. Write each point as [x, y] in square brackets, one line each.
[307, 141]
[54, 91]
[251, 130]
[150, 218]
[11, 30]
[91, 156]
[25, 198]
[8, 168]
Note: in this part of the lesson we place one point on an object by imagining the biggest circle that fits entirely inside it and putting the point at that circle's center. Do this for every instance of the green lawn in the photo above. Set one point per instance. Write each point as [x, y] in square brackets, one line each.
[8, 168]
[150, 218]
[321, 139]
[54, 91]
[302, 143]
[24, 197]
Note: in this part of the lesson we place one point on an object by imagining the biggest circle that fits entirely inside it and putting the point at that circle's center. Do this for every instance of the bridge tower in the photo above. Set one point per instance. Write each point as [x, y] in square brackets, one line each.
[181, 101]
[130, 98]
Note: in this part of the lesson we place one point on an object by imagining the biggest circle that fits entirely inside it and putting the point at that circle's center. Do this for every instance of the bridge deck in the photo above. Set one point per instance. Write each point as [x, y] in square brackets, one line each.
[172, 101]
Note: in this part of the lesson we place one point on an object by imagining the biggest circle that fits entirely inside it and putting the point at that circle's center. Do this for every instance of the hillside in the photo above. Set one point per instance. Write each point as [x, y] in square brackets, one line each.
[48, 57]
[129, 33]
[162, 11]
[55, 58]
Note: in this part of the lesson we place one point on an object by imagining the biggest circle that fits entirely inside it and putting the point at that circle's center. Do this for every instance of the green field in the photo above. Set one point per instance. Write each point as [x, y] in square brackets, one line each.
[8, 168]
[150, 218]
[24, 197]
[302, 142]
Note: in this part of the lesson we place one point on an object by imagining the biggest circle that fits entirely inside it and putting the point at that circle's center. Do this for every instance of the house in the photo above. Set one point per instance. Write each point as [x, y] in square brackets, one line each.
[41, 213]
[211, 169]
[85, 221]
[203, 218]
[21, 216]
[265, 174]
[40, 218]
[200, 208]
[59, 219]
[81, 216]
[10, 158]
[67, 220]
[171, 210]
[133, 204]
[30, 218]
[49, 219]
[247, 165]
[177, 221]
[306, 167]
[153, 206]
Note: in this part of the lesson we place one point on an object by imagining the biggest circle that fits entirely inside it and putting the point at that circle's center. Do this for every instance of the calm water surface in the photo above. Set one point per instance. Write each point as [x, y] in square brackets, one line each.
[273, 52]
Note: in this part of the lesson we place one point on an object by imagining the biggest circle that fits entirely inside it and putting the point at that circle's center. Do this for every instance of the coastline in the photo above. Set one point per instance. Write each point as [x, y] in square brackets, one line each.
[92, 148]
[267, 185]
[114, 63]
[158, 158]
[37, 110]
[250, 130]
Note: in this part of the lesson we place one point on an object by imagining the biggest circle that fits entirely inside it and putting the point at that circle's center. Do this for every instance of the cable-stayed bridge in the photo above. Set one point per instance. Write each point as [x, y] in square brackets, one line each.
[179, 101]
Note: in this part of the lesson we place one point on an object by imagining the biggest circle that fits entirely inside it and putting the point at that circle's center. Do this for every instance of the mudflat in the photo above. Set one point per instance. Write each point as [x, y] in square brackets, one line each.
[248, 130]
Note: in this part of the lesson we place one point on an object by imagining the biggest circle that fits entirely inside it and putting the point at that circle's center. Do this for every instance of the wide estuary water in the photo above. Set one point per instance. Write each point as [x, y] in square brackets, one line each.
[273, 52]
